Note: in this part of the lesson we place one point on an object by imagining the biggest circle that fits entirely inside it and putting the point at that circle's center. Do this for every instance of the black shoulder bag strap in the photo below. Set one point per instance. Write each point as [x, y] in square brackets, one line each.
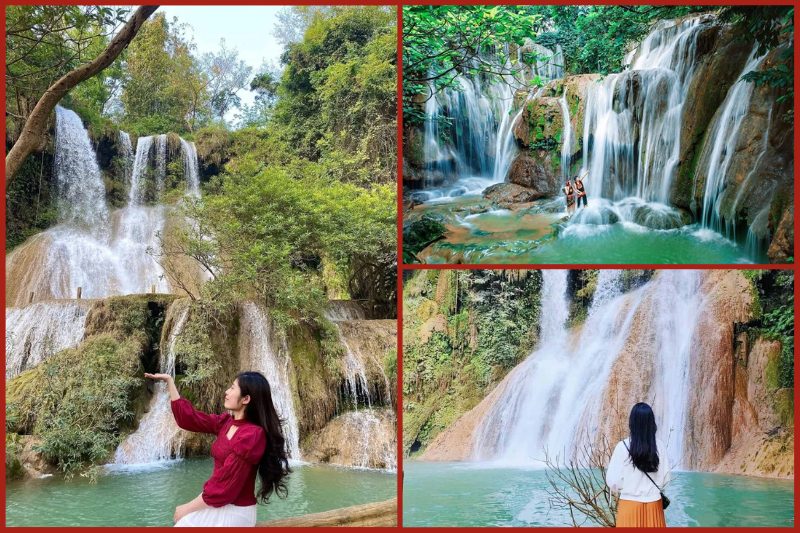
[664, 499]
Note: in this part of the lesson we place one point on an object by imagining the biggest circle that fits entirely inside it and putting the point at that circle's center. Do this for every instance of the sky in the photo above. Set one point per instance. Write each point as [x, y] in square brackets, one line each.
[249, 29]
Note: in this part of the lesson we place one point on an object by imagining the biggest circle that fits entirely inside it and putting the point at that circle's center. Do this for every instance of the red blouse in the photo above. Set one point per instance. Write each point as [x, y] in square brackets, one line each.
[235, 460]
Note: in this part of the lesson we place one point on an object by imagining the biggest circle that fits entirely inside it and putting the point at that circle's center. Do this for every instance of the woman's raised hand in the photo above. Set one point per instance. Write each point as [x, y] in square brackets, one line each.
[158, 377]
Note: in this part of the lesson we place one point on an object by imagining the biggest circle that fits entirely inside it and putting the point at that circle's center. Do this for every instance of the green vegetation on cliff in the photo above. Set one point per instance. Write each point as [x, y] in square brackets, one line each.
[76, 402]
[463, 331]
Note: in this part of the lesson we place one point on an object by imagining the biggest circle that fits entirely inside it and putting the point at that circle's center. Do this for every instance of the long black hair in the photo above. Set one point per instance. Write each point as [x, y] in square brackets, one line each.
[643, 449]
[274, 465]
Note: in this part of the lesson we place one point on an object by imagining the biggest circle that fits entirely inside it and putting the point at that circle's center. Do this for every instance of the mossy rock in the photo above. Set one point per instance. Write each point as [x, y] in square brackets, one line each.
[419, 234]
[79, 401]
[313, 377]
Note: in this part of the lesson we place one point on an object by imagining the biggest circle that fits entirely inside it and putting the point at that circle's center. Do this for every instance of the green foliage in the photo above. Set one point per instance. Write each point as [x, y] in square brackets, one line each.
[164, 87]
[276, 258]
[30, 200]
[418, 235]
[81, 398]
[464, 330]
[771, 27]
[337, 96]
[45, 42]
[441, 42]
[773, 295]
[14, 469]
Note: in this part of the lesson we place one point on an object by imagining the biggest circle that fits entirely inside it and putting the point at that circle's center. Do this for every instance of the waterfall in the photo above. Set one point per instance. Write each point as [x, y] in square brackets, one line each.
[35, 332]
[476, 110]
[371, 443]
[79, 183]
[566, 143]
[126, 153]
[158, 437]
[724, 137]
[140, 166]
[355, 374]
[553, 402]
[257, 347]
[190, 168]
[633, 119]
[549, 64]
[469, 139]
[161, 163]
[339, 310]
[106, 258]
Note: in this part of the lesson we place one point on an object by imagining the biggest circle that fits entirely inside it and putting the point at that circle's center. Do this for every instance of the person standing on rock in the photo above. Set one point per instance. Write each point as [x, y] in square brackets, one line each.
[249, 443]
[570, 192]
[637, 473]
[581, 192]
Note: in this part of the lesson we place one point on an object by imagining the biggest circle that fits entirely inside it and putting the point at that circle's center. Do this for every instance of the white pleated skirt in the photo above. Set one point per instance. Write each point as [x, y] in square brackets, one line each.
[226, 516]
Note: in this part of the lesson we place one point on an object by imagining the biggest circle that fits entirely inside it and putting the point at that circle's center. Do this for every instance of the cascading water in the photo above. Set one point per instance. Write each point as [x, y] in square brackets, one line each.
[724, 137]
[158, 437]
[633, 119]
[161, 163]
[566, 143]
[480, 146]
[258, 349]
[126, 152]
[551, 403]
[355, 375]
[190, 168]
[79, 183]
[548, 64]
[140, 166]
[371, 442]
[339, 310]
[36, 332]
[102, 254]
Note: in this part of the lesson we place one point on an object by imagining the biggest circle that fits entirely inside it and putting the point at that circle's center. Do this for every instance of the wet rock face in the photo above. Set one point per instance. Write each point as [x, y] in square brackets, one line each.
[540, 130]
[509, 194]
[723, 55]
[708, 431]
[541, 124]
[365, 438]
[759, 177]
[782, 246]
[534, 174]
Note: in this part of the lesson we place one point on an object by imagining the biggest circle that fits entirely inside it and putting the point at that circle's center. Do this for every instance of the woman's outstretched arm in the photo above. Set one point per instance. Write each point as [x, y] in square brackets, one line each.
[166, 378]
[186, 416]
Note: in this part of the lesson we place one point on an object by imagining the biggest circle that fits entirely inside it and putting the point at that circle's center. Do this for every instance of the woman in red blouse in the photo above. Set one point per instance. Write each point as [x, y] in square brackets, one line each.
[249, 442]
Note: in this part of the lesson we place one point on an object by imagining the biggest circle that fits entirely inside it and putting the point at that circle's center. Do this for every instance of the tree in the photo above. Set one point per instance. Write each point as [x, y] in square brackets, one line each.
[164, 87]
[33, 132]
[293, 21]
[45, 42]
[227, 75]
[441, 42]
[337, 96]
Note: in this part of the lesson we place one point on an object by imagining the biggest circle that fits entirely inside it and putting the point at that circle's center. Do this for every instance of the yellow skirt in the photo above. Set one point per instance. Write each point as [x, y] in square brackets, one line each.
[638, 514]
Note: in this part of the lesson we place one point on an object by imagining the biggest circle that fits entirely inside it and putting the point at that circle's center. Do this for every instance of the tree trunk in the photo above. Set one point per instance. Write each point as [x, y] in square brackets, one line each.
[369, 514]
[33, 131]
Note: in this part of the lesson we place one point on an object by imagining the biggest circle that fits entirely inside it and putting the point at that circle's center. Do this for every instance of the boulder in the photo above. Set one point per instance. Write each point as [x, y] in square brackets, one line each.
[536, 174]
[541, 124]
[366, 438]
[508, 194]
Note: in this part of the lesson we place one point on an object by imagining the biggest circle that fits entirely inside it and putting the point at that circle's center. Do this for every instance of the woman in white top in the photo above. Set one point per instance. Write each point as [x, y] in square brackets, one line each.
[633, 460]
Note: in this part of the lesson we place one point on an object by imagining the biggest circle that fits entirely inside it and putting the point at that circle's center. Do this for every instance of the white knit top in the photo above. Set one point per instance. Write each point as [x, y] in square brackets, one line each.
[631, 483]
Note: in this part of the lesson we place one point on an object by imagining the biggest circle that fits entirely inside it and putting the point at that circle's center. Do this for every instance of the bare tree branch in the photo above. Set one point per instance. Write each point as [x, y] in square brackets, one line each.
[33, 131]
